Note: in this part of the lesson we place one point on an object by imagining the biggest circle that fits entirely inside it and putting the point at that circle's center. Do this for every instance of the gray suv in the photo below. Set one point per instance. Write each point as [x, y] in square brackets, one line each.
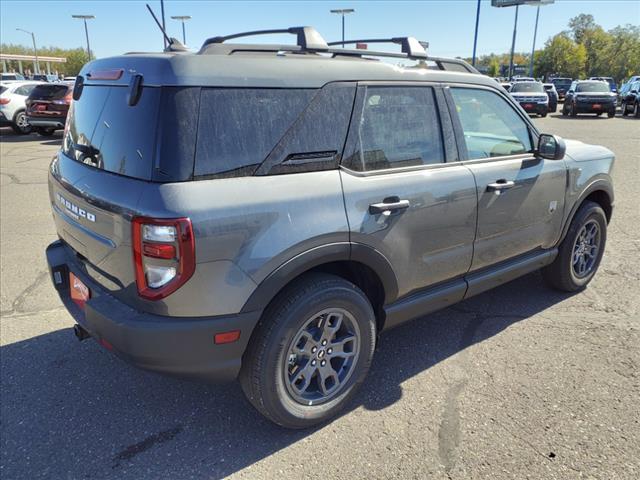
[264, 211]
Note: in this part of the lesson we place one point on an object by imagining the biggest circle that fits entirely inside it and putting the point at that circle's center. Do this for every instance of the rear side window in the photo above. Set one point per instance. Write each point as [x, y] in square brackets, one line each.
[399, 127]
[238, 127]
[492, 128]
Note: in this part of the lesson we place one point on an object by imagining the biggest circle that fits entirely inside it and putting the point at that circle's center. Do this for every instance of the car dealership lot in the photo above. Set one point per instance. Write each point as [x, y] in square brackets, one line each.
[520, 382]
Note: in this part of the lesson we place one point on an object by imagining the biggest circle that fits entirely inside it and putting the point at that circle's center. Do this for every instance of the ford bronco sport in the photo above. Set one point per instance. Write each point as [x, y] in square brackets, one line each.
[264, 211]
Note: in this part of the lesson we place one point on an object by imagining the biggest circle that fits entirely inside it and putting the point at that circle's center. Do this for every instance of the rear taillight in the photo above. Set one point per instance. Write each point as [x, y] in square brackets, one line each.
[4, 101]
[64, 101]
[164, 255]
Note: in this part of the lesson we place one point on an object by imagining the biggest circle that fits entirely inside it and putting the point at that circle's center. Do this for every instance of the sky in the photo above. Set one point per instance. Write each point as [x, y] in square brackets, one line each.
[125, 25]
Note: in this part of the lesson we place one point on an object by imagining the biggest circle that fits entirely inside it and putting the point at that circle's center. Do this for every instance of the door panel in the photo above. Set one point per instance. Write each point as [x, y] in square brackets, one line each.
[522, 218]
[429, 242]
[520, 196]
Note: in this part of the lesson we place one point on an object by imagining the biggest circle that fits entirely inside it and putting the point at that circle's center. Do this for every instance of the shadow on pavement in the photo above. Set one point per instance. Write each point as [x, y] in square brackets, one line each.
[8, 136]
[75, 410]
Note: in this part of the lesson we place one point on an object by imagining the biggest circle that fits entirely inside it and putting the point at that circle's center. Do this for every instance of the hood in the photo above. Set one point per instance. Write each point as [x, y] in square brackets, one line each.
[582, 152]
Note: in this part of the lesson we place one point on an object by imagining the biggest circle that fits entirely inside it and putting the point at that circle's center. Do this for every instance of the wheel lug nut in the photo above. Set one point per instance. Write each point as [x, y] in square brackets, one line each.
[329, 351]
[313, 349]
[323, 363]
[313, 363]
[324, 342]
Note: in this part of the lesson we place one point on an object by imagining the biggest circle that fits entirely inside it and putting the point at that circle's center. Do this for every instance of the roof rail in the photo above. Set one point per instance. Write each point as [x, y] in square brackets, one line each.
[411, 47]
[308, 38]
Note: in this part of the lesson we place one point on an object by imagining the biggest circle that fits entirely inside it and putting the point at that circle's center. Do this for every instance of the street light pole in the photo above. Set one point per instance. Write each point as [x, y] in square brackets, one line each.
[533, 48]
[475, 37]
[86, 30]
[182, 18]
[513, 44]
[342, 12]
[35, 49]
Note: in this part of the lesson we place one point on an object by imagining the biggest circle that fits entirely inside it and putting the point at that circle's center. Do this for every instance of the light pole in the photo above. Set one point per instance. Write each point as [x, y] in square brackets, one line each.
[342, 12]
[475, 37]
[535, 31]
[35, 49]
[182, 18]
[513, 44]
[86, 30]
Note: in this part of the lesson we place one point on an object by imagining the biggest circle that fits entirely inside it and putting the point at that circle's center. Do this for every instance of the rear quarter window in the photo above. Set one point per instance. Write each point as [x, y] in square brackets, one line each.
[238, 127]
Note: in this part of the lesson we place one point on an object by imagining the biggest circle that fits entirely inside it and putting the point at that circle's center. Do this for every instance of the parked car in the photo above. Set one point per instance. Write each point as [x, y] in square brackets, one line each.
[45, 77]
[610, 81]
[562, 85]
[12, 105]
[531, 96]
[631, 100]
[11, 76]
[47, 107]
[590, 96]
[625, 87]
[506, 85]
[69, 79]
[523, 79]
[553, 96]
[213, 226]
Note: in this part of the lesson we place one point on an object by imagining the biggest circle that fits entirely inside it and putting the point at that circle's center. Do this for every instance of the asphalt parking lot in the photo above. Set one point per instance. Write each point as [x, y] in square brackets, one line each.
[520, 382]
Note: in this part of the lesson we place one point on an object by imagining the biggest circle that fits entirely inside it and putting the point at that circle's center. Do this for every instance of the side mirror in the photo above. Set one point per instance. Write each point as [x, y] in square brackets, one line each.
[551, 147]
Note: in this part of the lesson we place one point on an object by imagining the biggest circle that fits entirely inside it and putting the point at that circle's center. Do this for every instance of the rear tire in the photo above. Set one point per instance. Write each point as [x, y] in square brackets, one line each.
[623, 107]
[611, 114]
[45, 132]
[543, 114]
[20, 124]
[636, 110]
[288, 373]
[573, 111]
[578, 259]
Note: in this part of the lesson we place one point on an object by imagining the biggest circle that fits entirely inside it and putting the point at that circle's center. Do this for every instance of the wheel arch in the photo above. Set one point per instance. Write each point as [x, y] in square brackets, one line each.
[600, 192]
[360, 264]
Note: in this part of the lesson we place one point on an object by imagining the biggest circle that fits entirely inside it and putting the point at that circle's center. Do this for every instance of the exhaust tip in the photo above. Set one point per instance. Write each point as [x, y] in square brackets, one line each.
[80, 333]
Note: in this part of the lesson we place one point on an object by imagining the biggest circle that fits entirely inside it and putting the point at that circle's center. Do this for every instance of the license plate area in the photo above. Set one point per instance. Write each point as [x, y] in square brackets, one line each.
[597, 106]
[80, 293]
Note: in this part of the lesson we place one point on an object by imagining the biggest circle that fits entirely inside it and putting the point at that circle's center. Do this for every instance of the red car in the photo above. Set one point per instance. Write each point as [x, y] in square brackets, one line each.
[47, 107]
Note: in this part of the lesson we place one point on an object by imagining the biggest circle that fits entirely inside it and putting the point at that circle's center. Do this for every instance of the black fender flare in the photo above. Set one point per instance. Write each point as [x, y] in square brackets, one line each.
[597, 185]
[314, 257]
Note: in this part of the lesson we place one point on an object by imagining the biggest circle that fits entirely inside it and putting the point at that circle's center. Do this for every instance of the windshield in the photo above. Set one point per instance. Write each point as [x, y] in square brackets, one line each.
[529, 87]
[593, 87]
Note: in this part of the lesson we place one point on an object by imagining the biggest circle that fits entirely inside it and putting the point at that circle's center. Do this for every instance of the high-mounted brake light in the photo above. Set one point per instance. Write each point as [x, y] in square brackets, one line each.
[113, 74]
[164, 255]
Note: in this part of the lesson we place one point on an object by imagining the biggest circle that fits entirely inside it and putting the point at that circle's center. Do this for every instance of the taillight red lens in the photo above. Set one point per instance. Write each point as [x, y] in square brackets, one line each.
[164, 255]
[4, 101]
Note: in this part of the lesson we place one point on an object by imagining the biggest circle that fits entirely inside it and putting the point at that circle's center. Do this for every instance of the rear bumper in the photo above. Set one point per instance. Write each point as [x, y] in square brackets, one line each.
[53, 122]
[171, 345]
[538, 108]
[589, 107]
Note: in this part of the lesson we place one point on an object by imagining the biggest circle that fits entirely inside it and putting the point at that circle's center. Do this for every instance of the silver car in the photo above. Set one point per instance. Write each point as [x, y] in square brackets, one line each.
[265, 211]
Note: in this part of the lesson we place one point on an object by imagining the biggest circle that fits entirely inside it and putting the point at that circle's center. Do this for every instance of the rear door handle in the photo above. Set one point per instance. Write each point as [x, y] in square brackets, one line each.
[392, 204]
[500, 185]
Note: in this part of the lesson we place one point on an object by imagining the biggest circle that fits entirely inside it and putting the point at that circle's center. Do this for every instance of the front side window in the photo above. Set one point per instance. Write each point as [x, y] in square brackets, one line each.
[492, 128]
[400, 127]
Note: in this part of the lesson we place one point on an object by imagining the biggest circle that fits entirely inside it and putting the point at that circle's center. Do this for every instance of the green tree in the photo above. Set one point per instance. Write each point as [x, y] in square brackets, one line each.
[494, 68]
[561, 56]
[580, 25]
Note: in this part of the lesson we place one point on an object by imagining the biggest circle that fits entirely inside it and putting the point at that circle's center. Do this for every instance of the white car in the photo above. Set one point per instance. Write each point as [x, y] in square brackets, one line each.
[12, 105]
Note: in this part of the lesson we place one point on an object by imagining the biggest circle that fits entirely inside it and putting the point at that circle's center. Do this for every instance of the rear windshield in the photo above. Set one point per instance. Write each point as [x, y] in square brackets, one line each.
[592, 87]
[561, 81]
[527, 87]
[49, 92]
[177, 134]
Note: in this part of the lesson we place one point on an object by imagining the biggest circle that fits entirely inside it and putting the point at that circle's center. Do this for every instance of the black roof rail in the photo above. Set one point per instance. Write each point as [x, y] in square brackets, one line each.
[411, 47]
[308, 38]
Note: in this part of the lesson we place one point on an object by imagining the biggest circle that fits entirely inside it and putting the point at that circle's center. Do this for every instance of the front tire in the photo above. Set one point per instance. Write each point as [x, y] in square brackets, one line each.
[310, 352]
[20, 124]
[573, 110]
[636, 110]
[611, 114]
[624, 109]
[580, 252]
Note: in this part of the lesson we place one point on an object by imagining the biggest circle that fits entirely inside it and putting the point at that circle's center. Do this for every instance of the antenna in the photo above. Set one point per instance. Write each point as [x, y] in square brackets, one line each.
[166, 37]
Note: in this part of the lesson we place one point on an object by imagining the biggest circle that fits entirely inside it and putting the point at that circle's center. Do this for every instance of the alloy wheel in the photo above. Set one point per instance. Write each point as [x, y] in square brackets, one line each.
[586, 249]
[322, 356]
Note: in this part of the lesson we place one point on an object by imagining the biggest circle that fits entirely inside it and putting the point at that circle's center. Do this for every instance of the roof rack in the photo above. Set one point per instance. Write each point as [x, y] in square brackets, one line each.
[308, 38]
[411, 47]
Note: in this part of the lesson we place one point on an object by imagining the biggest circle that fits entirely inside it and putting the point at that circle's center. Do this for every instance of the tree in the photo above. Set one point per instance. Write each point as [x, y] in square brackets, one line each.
[494, 68]
[561, 56]
[580, 25]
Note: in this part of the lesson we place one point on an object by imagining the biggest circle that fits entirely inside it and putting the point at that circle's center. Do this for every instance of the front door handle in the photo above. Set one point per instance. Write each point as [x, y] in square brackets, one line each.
[500, 185]
[391, 204]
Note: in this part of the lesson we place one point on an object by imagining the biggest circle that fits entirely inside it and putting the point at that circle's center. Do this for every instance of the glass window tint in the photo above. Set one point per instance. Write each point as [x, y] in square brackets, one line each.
[238, 127]
[492, 128]
[400, 127]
